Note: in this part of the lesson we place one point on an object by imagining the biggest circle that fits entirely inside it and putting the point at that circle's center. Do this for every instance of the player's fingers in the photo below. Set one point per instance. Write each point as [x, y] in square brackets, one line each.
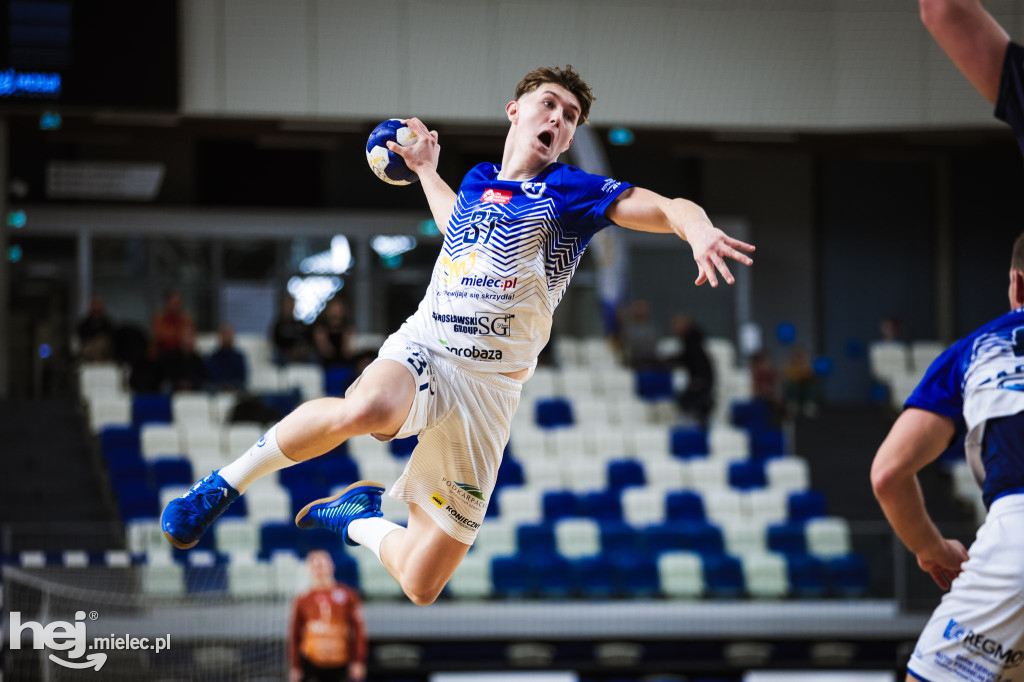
[433, 134]
[708, 272]
[737, 256]
[396, 148]
[722, 268]
[416, 125]
[737, 244]
[701, 277]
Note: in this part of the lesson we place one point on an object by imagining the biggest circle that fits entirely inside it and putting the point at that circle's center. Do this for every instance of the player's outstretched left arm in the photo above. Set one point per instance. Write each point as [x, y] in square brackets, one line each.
[646, 211]
[421, 157]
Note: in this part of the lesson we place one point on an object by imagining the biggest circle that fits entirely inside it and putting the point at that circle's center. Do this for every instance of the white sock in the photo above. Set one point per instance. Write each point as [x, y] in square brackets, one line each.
[370, 532]
[261, 459]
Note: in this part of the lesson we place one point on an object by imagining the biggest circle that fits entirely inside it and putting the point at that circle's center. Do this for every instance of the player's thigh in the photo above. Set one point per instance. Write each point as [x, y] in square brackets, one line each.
[432, 555]
[383, 394]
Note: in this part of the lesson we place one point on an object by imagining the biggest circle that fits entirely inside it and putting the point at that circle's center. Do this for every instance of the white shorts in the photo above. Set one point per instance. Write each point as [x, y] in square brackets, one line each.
[463, 420]
[977, 633]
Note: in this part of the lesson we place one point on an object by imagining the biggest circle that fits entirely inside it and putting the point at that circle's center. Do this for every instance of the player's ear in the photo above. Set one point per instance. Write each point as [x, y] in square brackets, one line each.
[512, 110]
[1016, 289]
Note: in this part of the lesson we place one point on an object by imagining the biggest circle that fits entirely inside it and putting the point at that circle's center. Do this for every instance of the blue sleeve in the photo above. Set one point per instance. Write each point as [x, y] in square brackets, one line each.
[940, 390]
[587, 198]
[1010, 104]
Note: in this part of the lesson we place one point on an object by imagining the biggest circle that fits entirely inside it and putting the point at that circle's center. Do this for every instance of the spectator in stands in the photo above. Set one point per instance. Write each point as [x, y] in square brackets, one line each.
[184, 368]
[764, 379]
[226, 369]
[697, 399]
[326, 635]
[891, 329]
[800, 389]
[641, 337]
[332, 334]
[147, 371]
[289, 336]
[169, 324]
[96, 333]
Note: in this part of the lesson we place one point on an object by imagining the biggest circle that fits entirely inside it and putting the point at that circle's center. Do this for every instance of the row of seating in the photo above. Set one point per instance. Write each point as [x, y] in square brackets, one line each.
[899, 366]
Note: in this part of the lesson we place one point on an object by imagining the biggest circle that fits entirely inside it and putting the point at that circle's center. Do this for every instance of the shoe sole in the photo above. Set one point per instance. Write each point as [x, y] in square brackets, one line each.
[179, 545]
[305, 510]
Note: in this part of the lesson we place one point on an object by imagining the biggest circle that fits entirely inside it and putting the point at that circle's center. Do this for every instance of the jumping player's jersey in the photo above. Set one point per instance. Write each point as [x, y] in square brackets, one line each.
[1010, 104]
[978, 379]
[509, 252]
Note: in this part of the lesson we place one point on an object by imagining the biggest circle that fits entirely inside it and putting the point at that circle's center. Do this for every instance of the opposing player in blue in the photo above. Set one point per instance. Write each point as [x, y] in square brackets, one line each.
[452, 374]
[976, 387]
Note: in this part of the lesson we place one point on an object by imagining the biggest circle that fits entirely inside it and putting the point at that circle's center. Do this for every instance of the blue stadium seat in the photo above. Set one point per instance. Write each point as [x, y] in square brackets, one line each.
[848, 576]
[618, 537]
[559, 504]
[601, 505]
[623, 473]
[553, 576]
[337, 379]
[334, 470]
[654, 384]
[806, 575]
[282, 401]
[151, 407]
[806, 504]
[317, 538]
[749, 414]
[787, 537]
[403, 447]
[684, 505]
[700, 536]
[238, 509]
[302, 489]
[278, 535]
[723, 575]
[120, 439]
[346, 570]
[637, 575]
[171, 471]
[126, 464]
[665, 537]
[747, 474]
[689, 441]
[552, 413]
[510, 577]
[766, 442]
[135, 500]
[509, 473]
[595, 577]
[537, 539]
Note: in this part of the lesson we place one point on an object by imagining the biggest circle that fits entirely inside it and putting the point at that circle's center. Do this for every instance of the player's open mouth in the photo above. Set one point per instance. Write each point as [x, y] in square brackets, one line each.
[546, 138]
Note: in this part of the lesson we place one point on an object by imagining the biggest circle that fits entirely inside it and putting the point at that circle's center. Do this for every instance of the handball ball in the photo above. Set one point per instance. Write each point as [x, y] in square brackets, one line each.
[389, 166]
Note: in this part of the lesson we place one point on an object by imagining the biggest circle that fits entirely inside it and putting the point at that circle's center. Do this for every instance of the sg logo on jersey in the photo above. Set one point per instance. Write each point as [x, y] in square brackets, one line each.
[488, 324]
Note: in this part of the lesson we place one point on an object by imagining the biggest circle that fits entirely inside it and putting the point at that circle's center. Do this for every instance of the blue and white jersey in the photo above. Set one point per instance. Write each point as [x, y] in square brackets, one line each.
[978, 379]
[1010, 103]
[509, 252]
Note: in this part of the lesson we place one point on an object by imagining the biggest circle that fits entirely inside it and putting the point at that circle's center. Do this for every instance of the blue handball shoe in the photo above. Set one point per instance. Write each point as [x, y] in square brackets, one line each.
[186, 518]
[361, 500]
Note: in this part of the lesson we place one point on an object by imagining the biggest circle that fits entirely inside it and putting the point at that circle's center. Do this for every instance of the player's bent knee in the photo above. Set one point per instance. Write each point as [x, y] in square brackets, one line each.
[422, 593]
[361, 416]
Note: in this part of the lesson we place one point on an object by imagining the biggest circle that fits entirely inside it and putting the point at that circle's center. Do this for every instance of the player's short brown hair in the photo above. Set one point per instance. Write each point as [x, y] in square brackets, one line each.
[567, 78]
[1017, 262]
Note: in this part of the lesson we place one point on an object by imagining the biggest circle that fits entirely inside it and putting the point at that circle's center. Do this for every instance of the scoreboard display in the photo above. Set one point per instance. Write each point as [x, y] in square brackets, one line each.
[101, 54]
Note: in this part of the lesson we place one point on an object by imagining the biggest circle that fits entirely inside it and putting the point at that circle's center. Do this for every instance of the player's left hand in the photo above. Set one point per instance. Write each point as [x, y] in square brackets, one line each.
[423, 154]
[357, 671]
[943, 561]
[711, 247]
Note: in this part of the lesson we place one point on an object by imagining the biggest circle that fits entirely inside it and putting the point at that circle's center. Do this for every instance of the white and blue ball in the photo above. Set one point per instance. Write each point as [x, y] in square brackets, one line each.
[389, 166]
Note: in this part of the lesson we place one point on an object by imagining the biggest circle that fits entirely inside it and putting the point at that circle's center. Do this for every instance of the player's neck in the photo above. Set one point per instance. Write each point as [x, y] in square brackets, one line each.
[323, 584]
[518, 169]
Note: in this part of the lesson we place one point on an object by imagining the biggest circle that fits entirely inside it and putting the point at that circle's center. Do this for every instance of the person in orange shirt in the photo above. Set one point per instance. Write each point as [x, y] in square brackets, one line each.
[326, 634]
[170, 323]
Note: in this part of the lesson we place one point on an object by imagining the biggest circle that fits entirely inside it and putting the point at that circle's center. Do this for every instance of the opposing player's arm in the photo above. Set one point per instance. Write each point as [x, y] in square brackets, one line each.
[971, 37]
[421, 157]
[646, 211]
[916, 439]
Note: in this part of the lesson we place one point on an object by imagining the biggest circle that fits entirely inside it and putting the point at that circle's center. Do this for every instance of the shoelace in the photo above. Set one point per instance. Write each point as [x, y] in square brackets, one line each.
[209, 496]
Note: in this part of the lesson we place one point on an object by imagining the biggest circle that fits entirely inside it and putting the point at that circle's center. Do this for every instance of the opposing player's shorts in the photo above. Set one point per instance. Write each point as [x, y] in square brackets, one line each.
[977, 632]
[463, 420]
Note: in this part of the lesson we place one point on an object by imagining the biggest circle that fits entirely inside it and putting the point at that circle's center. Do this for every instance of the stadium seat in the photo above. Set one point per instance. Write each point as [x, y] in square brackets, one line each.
[337, 379]
[620, 538]
[807, 504]
[240, 437]
[510, 578]
[151, 407]
[536, 539]
[249, 577]
[684, 505]
[277, 536]
[236, 536]
[290, 575]
[636, 575]
[789, 474]
[708, 474]
[787, 537]
[723, 505]
[509, 473]
[665, 537]
[602, 505]
[828, 537]
[767, 442]
[728, 442]
[585, 474]
[848, 576]
[99, 376]
[496, 538]
[643, 506]
[688, 442]
[520, 504]
[171, 471]
[120, 438]
[594, 576]
[553, 576]
[744, 536]
[653, 384]
[109, 410]
[138, 502]
[749, 414]
[269, 501]
[190, 408]
[199, 579]
[403, 447]
[160, 440]
[552, 413]
[681, 574]
[765, 506]
[577, 537]
[163, 579]
[560, 504]
[806, 576]
[667, 474]
[307, 378]
[625, 473]
[203, 438]
[746, 474]
[765, 575]
[723, 576]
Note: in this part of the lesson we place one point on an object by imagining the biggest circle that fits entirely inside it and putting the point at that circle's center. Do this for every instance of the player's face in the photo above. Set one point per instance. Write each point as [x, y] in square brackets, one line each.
[545, 121]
